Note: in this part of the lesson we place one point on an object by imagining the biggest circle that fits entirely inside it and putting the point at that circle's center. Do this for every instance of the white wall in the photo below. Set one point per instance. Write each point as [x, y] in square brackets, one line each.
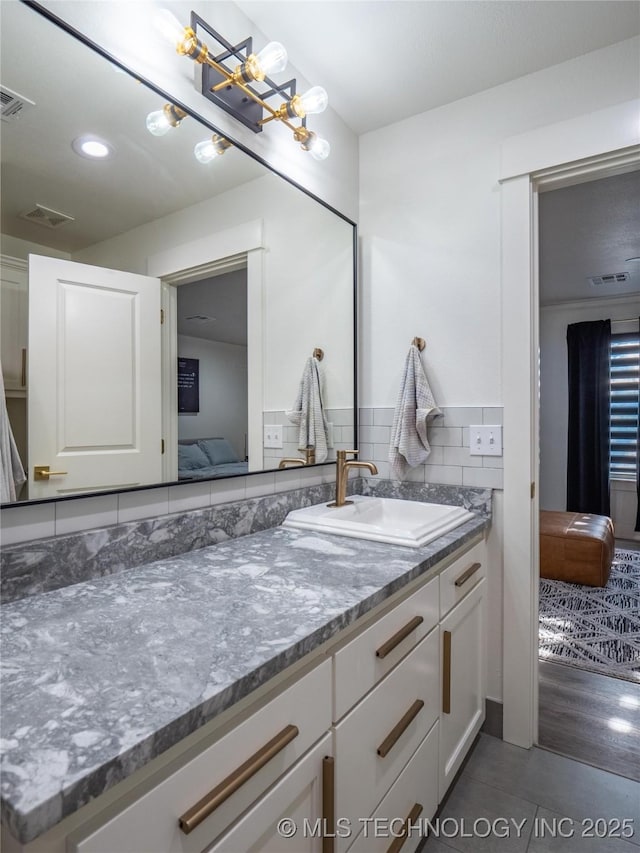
[17, 248]
[126, 30]
[223, 392]
[308, 275]
[431, 239]
[554, 404]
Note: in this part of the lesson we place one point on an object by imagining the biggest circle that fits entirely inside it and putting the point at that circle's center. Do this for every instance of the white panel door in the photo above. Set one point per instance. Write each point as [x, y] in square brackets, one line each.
[94, 402]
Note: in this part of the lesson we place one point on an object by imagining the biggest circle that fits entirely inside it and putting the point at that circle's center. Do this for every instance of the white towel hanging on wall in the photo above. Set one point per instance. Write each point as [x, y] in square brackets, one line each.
[414, 407]
[12, 475]
[308, 412]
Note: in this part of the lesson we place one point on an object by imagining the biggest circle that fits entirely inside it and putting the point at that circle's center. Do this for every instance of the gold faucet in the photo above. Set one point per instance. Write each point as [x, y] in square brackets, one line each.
[342, 475]
[309, 458]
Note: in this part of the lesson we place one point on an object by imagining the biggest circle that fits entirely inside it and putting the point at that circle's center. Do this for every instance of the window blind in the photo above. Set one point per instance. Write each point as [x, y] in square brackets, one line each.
[625, 378]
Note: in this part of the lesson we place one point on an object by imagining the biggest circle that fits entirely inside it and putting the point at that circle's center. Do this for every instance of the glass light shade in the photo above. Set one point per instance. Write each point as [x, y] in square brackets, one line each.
[272, 58]
[314, 101]
[158, 123]
[205, 151]
[320, 149]
[169, 26]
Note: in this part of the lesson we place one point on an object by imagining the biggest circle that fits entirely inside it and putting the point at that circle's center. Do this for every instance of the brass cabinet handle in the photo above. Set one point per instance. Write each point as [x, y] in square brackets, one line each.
[446, 672]
[464, 577]
[411, 818]
[398, 637]
[210, 802]
[396, 732]
[23, 375]
[42, 472]
[328, 804]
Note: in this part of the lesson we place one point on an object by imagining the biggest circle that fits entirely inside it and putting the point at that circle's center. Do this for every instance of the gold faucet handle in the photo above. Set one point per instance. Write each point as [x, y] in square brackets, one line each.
[352, 452]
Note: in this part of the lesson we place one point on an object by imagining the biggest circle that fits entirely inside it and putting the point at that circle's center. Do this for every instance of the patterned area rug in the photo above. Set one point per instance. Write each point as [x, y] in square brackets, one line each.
[594, 628]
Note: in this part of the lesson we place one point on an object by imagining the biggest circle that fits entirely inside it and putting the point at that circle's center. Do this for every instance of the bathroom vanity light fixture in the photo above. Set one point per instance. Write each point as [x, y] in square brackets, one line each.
[209, 149]
[231, 87]
[161, 121]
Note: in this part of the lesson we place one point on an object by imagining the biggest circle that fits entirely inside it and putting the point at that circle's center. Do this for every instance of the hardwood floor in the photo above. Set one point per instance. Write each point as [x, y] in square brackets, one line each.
[590, 718]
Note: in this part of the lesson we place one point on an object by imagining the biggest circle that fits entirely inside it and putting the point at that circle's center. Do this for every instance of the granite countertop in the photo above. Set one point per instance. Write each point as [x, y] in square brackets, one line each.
[100, 677]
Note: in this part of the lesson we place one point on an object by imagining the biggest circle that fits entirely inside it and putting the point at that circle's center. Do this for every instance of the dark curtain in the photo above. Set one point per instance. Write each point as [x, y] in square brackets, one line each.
[638, 459]
[589, 350]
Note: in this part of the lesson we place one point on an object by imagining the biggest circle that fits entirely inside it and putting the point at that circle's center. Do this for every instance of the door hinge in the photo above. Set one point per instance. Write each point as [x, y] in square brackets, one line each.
[161, 446]
[533, 490]
[161, 316]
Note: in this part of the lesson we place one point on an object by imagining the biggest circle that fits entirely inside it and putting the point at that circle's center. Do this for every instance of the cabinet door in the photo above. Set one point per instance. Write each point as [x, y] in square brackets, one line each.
[463, 644]
[290, 818]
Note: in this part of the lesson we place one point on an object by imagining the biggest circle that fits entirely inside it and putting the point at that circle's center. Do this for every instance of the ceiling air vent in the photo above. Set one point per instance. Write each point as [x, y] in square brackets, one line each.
[611, 278]
[13, 104]
[45, 216]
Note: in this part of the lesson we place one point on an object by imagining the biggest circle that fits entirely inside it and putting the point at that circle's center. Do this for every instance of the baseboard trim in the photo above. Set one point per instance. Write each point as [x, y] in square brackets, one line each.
[493, 718]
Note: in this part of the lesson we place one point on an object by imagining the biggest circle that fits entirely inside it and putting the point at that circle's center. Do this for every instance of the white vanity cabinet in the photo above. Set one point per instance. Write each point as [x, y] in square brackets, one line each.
[463, 650]
[374, 724]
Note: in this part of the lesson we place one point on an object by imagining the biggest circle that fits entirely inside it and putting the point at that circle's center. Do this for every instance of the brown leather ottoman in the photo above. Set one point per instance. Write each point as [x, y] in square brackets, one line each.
[576, 547]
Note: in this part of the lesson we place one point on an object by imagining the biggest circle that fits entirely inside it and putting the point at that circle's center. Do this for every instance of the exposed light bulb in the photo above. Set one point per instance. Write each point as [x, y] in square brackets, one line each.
[158, 123]
[313, 101]
[205, 151]
[94, 148]
[169, 26]
[272, 58]
[319, 148]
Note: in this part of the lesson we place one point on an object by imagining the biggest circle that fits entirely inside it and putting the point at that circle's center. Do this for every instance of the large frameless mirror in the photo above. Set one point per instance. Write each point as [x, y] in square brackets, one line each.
[157, 312]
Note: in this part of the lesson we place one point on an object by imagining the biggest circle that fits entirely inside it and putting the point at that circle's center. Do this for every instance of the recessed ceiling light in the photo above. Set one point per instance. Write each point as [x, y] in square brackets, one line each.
[92, 147]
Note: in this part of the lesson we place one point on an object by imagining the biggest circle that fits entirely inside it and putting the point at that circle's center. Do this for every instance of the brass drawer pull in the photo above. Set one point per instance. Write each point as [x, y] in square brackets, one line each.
[464, 577]
[328, 804]
[398, 637]
[397, 731]
[210, 802]
[446, 672]
[411, 818]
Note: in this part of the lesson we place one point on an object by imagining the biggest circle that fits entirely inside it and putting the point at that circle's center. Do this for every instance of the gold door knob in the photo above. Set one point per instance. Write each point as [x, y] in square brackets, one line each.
[42, 472]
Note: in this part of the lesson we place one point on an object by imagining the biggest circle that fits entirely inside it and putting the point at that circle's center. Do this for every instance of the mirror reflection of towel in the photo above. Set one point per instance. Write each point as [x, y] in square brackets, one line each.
[308, 412]
[12, 475]
[415, 405]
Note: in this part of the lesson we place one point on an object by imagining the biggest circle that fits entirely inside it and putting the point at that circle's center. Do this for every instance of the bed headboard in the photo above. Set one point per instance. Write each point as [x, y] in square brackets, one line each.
[196, 440]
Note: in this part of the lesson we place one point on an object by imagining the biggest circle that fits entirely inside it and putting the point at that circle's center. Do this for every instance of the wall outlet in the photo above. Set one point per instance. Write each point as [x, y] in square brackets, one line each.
[273, 436]
[485, 440]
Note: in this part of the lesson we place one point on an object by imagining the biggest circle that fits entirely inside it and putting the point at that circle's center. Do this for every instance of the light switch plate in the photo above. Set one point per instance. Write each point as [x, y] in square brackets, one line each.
[273, 436]
[485, 440]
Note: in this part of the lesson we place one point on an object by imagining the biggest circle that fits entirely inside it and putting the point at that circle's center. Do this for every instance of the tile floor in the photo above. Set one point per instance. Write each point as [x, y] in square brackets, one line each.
[549, 804]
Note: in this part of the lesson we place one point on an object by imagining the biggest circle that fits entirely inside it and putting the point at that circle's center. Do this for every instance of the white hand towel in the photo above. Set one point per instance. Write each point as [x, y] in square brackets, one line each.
[308, 412]
[409, 445]
[12, 474]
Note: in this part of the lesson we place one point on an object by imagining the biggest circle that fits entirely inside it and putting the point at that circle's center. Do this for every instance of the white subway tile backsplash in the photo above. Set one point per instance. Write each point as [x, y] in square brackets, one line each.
[365, 417]
[23, 523]
[288, 480]
[491, 415]
[366, 451]
[380, 453]
[416, 475]
[461, 456]
[445, 436]
[225, 491]
[488, 478]
[189, 496]
[383, 417]
[85, 513]
[384, 472]
[260, 484]
[135, 505]
[375, 434]
[340, 417]
[459, 416]
[449, 475]
[492, 461]
[436, 456]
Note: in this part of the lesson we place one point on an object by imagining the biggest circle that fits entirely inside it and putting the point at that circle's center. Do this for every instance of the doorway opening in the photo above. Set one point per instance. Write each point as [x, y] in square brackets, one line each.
[588, 685]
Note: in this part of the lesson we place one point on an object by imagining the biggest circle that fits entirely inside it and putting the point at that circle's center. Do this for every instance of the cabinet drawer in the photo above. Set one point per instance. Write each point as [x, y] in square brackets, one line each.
[461, 577]
[151, 822]
[367, 760]
[298, 798]
[366, 659]
[414, 793]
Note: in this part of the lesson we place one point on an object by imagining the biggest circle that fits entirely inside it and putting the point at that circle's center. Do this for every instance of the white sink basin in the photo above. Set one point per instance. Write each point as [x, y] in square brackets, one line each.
[381, 519]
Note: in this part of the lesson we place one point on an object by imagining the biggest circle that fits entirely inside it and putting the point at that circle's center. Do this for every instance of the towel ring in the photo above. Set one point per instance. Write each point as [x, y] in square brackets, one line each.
[419, 342]
[318, 353]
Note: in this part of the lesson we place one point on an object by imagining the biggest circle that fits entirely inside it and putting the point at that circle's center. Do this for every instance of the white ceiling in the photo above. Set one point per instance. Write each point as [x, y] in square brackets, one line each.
[586, 230]
[223, 300]
[385, 60]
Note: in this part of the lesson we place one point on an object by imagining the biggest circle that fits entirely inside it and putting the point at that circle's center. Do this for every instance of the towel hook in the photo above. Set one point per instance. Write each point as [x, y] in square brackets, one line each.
[419, 342]
[318, 353]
